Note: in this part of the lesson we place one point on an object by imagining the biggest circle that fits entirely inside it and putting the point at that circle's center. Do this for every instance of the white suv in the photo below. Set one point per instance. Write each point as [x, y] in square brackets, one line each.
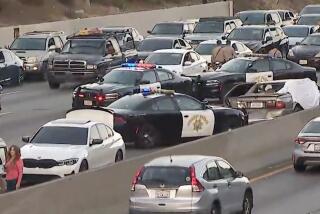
[67, 146]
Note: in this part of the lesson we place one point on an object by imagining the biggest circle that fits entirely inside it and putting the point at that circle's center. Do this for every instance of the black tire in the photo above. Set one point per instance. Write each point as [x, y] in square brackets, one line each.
[17, 80]
[54, 85]
[247, 203]
[119, 156]
[83, 166]
[298, 167]
[148, 137]
[216, 209]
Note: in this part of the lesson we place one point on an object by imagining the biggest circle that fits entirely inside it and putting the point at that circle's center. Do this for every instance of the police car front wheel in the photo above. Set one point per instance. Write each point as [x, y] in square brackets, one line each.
[148, 137]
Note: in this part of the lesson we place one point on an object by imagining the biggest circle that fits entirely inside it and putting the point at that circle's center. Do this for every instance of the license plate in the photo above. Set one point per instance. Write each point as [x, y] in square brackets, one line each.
[303, 62]
[163, 194]
[87, 103]
[317, 148]
[256, 105]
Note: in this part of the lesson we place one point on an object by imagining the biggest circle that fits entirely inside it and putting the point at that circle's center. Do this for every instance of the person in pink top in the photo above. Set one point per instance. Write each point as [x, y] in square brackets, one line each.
[14, 168]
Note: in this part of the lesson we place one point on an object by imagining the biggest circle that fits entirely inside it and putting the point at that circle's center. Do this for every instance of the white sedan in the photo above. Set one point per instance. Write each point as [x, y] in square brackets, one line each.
[205, 49]
[71, 145]
[179, 61]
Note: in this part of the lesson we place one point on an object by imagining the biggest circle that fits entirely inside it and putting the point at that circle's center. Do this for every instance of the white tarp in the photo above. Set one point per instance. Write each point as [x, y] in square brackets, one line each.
[93, 115]
[303, 91]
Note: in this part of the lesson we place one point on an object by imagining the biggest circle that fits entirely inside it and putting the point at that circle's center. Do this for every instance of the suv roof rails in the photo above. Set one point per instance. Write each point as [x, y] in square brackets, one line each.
[44, 32]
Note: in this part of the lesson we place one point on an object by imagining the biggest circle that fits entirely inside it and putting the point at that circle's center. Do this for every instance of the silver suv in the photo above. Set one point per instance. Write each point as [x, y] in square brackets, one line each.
[34, 48]
[190, 184]
[307, 146]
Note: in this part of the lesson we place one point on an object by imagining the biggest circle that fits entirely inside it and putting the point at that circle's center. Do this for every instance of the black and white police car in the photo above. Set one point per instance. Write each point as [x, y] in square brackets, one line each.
[129, 79]
[154, 118]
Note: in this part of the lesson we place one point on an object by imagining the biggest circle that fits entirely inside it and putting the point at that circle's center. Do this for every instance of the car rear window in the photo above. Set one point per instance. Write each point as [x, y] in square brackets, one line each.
[312, 127]
[170, 177]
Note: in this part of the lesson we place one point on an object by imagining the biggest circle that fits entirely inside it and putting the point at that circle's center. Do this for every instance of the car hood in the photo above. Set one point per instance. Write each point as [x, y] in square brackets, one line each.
[109, 87]
[252, 45]
[88, 58]
[27, 53]
[52, 151]
[293, 40]
[203, 36]
[305, 51]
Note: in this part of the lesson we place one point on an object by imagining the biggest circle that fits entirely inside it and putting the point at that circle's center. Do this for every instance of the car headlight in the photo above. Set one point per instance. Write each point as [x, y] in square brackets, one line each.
[290, 53]
[68, 162]
[31, 60]
[318, 55]
[91, 67]
[241, 104]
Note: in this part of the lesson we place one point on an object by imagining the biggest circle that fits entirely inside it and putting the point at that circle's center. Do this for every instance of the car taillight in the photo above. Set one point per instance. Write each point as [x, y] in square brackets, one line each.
[280, 105]
[136, 178]
[196, 185]
[300, 140]
[275, 104]
[100, 98]
[119, 120]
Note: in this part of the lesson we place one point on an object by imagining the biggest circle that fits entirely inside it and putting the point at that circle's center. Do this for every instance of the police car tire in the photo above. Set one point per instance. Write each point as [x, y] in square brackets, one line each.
[298, 167]
[83, 166]
[148, 137]
[247, 203]
[216, 209]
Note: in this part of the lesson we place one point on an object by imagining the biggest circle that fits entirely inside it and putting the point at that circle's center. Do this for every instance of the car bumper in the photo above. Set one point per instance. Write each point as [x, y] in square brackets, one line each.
[72, 76]
[32, 69]
[57, 171]
[260, 115]
[306, 158]
[80, 103]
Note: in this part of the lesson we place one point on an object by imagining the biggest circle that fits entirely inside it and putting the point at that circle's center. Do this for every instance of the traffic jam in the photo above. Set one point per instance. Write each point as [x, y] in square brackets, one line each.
[184, 81]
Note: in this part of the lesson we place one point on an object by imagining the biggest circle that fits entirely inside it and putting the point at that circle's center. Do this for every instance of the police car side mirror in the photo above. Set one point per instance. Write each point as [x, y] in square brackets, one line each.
[26, 139]
[96, 142]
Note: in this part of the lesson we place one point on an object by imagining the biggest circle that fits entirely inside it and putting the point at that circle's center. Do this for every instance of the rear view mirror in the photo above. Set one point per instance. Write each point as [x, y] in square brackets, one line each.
[96, 142]
[26, 139]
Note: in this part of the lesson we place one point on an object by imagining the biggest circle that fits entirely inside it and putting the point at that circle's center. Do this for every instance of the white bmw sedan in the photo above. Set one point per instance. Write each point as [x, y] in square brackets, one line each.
[67, 146]
[179, 61]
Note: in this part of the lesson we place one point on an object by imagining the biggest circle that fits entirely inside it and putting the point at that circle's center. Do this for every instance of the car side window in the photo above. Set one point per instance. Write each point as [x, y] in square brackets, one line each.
[232, 25]
[187, 58]
[261, 65]
[228, 28]
[163, 104]
[234, 46]
[291, 14]
[109, 131]
[51, 42]
[267, 34]
[149, 76]
[188, 104]
[269, 18]
[94, 134]
[287, 16]
[103, 131]
[194, 57]
[240, 47]
[182, 43]
[164, 76]
[278, 65]
[2, 58]
[225, 169]
[176, 44]
[212, 172]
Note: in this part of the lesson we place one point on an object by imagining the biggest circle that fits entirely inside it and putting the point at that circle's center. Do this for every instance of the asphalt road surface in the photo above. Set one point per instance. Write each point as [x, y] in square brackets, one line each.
[288, 193]
[25, 109]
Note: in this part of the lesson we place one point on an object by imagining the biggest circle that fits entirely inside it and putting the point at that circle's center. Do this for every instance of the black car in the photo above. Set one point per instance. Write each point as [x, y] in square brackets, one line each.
[260, 17]
[215, 85]
[171, 29]
[11, 68]
[260, 38]
[150, 45]
[130, 79]
[307, 53]
[87, 56]
[150, 120]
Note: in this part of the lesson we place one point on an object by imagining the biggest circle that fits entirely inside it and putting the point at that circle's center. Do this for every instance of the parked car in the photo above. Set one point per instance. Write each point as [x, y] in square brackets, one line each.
[86, 56]
[190, 184]
[179, 61]
[157, 118]
[68, 146]
[297, 33]
[205, 49]
[287, 17]
[11, 68]
[124, 33]
[260, 17]
[309, 19]
[176, 29]
[149, 45]
[271, 99]
[310, 9]
[34, 48]
[260, 38]
[307, 53]
[212, 28]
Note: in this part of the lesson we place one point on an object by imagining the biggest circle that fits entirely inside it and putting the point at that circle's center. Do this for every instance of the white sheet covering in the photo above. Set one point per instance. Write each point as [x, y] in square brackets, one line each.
[303, 91]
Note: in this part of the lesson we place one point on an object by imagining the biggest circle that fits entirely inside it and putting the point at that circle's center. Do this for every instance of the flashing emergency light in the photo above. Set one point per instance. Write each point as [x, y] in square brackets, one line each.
[139, 65]
[149, 91]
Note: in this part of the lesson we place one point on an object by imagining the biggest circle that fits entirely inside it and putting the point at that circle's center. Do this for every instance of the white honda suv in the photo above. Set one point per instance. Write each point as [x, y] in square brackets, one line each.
[67, 146]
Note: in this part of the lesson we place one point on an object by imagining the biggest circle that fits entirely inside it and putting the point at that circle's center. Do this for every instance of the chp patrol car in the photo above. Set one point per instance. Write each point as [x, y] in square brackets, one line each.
[129, 79]
[154, 118]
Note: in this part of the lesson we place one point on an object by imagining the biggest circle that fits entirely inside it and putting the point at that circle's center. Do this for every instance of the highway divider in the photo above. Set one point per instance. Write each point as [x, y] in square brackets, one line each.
[107, 190]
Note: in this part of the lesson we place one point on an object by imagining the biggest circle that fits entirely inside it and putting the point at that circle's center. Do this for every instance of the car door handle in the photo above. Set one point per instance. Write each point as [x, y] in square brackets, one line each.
[186, 116]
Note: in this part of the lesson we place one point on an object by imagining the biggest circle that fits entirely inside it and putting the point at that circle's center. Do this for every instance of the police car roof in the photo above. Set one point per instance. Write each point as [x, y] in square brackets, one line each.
[178, 51]
[179, 160]
[71, 123]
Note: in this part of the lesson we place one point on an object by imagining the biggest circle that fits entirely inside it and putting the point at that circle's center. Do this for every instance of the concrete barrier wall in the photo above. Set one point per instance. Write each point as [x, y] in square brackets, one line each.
[107, 190]
[143, 21]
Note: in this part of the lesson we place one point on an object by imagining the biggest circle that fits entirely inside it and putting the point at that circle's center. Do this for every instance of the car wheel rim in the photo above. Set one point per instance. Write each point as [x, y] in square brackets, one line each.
[247, 206]
[119, 157]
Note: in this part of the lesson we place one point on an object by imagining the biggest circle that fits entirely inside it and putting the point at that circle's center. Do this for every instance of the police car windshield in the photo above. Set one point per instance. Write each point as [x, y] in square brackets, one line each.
[155, 44]
[29, 44]
[310, 10]
[165, 58]
[205, 49]
[209, 27]
[311, 40]
[85, 46]
[309, 20]
[296, 31]
[246, 34]
[252, 18]
[128, 103]
[123, 77]
[236, 66]
[61, 135]
[167, 28]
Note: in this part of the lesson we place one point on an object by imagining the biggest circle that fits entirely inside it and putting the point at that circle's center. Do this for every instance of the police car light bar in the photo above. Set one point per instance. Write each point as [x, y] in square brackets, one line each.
[139, 65]
[149, 91]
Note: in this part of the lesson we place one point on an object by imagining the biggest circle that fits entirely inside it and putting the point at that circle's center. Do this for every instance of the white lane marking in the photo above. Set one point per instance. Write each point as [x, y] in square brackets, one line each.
[10, 93]
[5, 113]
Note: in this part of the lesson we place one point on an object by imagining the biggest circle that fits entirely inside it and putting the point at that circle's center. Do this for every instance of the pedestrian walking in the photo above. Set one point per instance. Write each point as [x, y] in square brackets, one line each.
[228, 51]
[217, 55]
[14, 168]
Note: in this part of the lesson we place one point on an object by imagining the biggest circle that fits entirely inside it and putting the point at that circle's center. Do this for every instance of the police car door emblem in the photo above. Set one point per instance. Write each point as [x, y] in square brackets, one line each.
[197, 121]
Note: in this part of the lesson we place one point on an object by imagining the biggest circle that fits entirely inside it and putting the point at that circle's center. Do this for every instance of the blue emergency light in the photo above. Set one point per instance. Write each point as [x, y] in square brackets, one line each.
[138, 65]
